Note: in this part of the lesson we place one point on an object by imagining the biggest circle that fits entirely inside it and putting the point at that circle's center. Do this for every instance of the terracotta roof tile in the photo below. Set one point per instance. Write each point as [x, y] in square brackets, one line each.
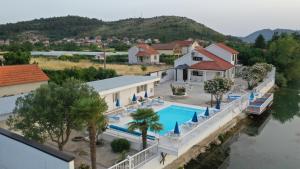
[146, 50]
[172, 45]
[217, 63]
[21, 74]
[227, 48]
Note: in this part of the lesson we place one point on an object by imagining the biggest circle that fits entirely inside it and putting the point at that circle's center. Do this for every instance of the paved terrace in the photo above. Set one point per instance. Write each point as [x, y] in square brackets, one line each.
[195, 92]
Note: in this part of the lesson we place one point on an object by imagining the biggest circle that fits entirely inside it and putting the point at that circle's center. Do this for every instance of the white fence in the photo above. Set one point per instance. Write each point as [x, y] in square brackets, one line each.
[201, 131]
[137, 160]
[165, 75]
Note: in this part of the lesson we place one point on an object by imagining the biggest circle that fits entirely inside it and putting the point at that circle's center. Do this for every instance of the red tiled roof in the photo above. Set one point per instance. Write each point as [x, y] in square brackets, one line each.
[184, 43]
[217, 63]
[172, 45]
[164, 46]
[21, 74]
[227, 48]
[146, 50]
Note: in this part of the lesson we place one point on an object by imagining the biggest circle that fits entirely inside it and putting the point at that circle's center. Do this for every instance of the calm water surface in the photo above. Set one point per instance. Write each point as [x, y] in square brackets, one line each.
[268, 142]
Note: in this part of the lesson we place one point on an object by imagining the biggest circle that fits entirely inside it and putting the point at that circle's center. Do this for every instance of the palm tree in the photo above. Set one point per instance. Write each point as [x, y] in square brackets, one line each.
[91, 109]
[144, 119]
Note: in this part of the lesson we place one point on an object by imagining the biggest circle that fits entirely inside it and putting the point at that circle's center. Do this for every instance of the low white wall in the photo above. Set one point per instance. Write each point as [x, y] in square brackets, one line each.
[18, 89]
[169, 75]
[17, 155]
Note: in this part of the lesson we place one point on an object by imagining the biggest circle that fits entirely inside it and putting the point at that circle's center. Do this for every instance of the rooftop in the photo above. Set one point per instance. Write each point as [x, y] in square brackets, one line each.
[21, 74]
[217, 63]
[121, 81]
[33, 144]
[146, 50]
[7, 104]
[227, 48]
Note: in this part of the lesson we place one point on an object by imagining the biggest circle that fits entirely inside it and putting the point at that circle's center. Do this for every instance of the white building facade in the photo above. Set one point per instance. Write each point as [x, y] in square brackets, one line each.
[123, 88]
[200, 65]
[143, 54]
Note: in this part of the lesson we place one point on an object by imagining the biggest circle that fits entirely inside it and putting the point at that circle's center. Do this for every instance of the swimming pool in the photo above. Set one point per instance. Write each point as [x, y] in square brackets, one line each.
[169, 115]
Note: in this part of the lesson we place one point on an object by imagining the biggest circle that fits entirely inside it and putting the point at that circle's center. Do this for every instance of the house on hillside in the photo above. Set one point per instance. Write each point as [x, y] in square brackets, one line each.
[18, 79]
[178, 48]
[120, 90]
[143, 54]
[202, 64]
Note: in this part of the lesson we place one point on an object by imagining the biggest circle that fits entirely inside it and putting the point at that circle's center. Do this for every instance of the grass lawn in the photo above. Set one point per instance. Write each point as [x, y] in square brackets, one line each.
[121, 69]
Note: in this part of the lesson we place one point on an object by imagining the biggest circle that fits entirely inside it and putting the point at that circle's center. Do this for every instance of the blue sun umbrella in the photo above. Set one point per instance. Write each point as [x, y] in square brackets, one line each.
[206, 114]
[218, 105]
[118, 103]
[134, 98]
[252, 96]
[176, 129]
[195, 118]
[146, 94]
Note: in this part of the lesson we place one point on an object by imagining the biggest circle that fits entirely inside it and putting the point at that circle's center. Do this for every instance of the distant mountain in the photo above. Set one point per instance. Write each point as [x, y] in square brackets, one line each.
[165, 28]
[267, 33]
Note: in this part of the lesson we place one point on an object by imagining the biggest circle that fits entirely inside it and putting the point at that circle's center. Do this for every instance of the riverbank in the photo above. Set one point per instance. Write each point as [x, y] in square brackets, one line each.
[269, 141]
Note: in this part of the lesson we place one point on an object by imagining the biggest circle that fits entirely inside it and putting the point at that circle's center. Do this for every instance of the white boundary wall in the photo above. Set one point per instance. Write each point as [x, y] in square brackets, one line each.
[169, 75]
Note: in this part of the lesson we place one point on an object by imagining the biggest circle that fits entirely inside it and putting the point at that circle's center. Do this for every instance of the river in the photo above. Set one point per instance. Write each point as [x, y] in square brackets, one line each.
[271, 141]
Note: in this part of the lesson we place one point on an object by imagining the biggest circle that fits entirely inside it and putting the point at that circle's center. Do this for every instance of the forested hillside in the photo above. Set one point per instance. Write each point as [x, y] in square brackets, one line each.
[165, 28]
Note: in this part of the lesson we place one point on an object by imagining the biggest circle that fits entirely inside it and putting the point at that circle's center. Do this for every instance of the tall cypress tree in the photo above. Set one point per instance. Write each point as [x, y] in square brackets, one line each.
[260, 42]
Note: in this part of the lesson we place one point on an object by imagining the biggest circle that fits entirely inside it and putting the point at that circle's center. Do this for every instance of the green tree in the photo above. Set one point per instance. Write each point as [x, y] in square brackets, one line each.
[217, 87]
[143, 68]
[16, 58]
[260, 42]
[144, 119]
[90, 110]
[46, 112]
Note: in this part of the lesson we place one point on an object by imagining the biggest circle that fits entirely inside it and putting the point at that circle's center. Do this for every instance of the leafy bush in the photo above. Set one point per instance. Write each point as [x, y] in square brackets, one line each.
[84, 166]
[178, 90]
[85, 74]
[167, 59]
[280, 80]
[163, 74]
[143, 68]
[120, 145]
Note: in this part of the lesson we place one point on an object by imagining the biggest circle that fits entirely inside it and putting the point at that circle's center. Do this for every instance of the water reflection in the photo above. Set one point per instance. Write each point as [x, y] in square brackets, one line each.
[286, 104]
[270, 141]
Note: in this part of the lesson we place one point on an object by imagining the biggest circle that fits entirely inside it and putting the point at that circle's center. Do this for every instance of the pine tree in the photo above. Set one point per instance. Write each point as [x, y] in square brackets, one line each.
[260, 42]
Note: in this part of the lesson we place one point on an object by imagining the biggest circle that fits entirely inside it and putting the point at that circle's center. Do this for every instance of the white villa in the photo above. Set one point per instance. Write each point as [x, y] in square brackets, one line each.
[123, 88]
[176, 48]
[202, 64]
[143, 54]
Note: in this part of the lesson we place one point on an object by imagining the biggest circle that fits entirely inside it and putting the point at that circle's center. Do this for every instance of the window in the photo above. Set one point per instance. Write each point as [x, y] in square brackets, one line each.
[116, 96]
[218, 74]
[155, 57]
[141, 88]
[197, 73]
[197, 58]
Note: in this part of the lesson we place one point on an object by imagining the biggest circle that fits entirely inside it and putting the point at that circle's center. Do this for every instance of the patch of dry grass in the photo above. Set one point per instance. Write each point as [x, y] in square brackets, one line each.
[121, 69]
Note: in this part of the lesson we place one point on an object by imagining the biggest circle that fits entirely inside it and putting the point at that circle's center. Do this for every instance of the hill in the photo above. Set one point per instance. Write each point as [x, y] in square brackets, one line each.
[165, 28]
[267, 33]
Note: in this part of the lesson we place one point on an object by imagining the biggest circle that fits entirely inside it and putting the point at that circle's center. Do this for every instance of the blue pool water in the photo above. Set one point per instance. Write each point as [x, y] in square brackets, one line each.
[169, 116]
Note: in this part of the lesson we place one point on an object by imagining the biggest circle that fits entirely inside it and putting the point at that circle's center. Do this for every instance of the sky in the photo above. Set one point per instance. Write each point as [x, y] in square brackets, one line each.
[230, 17]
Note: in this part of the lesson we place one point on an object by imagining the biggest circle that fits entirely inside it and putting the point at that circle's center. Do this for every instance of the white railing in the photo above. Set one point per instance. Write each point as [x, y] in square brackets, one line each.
[143, 156]
[138, 159]
[270, 77]
[207, 127]
[121, 165]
